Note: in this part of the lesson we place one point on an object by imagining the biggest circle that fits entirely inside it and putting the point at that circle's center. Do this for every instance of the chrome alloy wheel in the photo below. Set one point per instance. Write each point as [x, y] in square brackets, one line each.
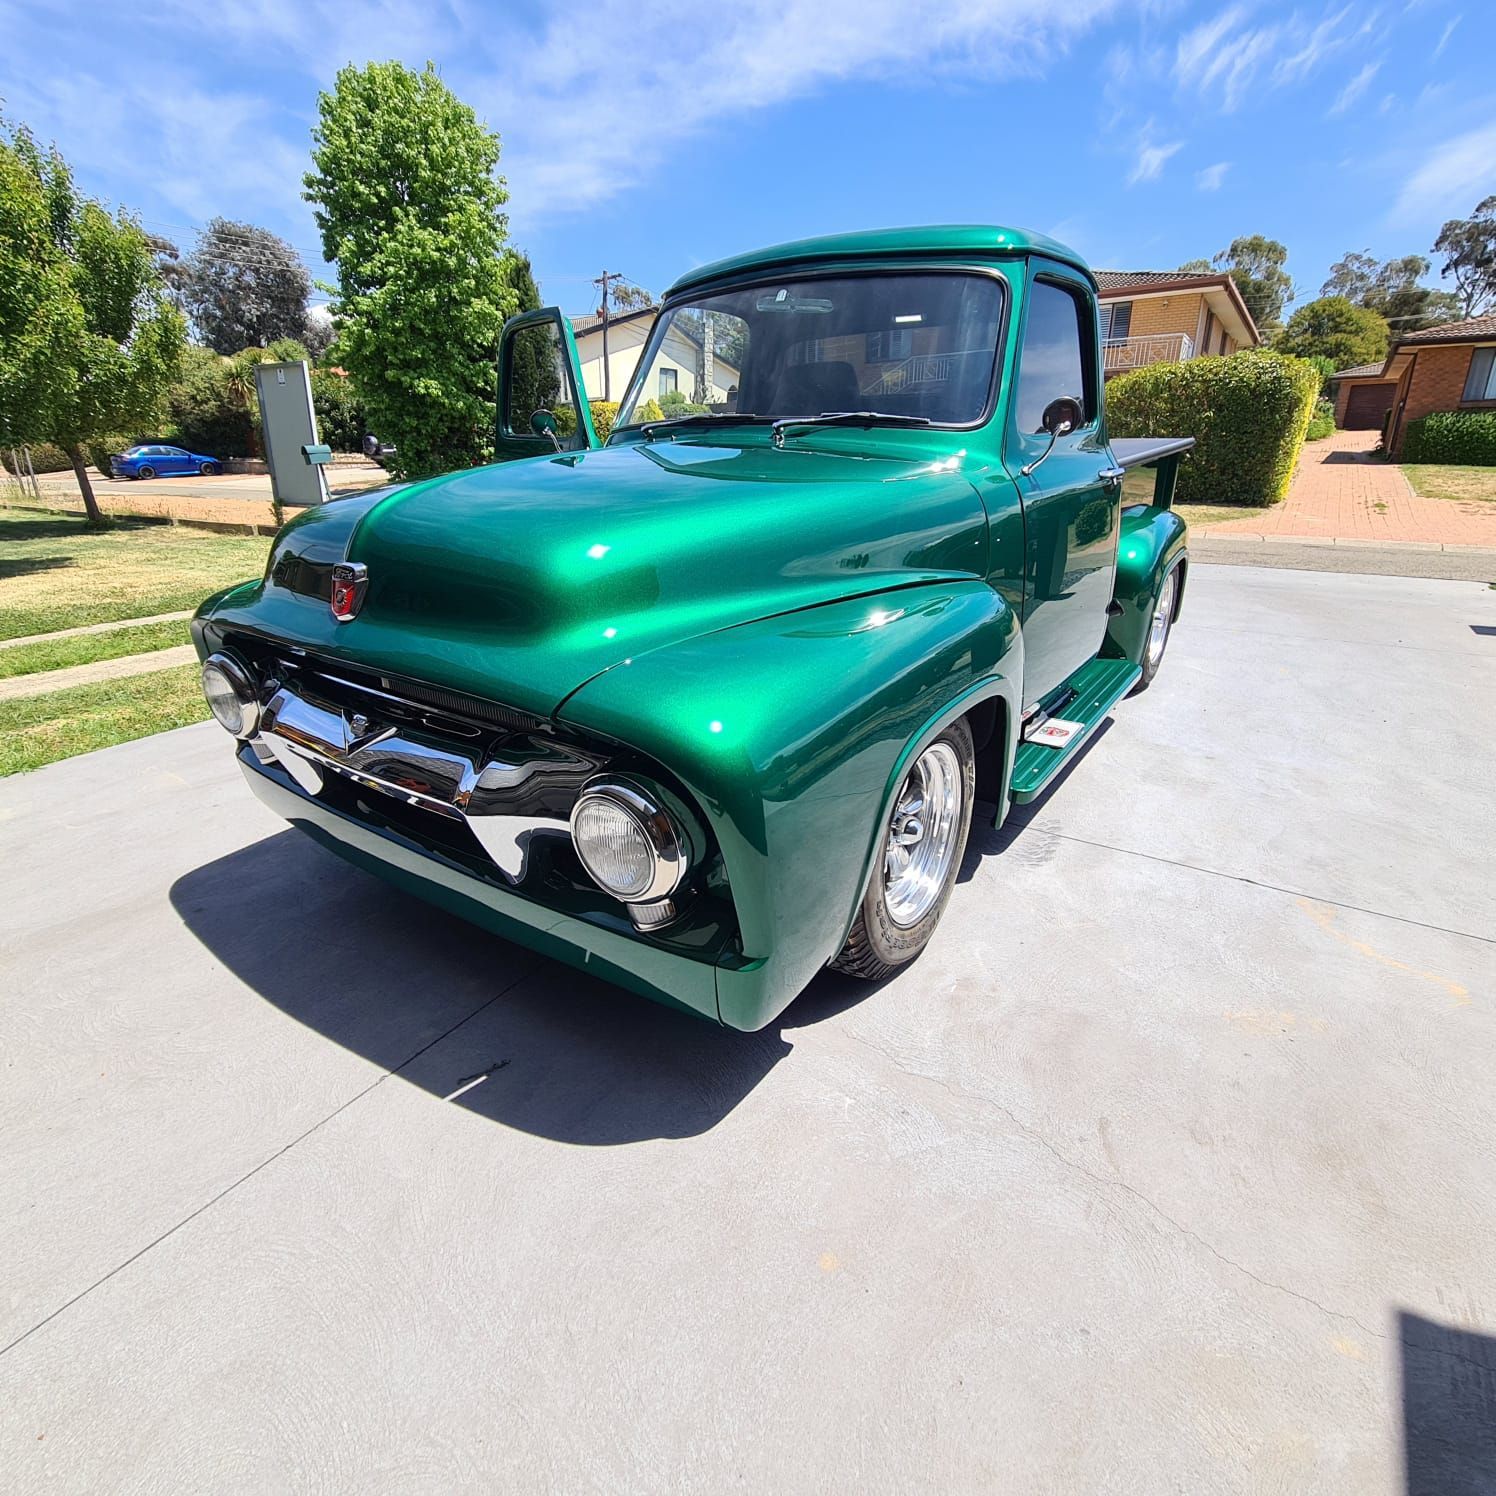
[1163, 616]
[922, 836]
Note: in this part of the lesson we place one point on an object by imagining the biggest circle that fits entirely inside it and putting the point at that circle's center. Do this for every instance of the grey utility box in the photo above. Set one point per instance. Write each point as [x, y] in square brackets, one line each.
[289, 425]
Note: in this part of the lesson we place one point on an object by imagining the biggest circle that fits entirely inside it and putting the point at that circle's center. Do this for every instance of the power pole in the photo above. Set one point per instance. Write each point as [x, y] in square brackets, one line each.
[602, 280]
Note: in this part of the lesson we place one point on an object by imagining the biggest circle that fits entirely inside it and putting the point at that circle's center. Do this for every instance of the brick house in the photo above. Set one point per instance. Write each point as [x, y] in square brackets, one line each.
[1168, 316]
[1449, 367]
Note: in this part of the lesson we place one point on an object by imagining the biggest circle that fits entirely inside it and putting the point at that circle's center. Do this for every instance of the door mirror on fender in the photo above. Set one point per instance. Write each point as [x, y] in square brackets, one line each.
[1062, 415]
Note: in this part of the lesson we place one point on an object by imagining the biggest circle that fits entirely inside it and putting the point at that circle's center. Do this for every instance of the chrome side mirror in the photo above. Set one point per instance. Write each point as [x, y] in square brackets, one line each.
[1061, 416]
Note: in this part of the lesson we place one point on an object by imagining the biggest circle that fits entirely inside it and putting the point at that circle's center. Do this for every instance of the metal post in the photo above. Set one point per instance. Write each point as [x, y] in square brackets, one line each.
[602, 280]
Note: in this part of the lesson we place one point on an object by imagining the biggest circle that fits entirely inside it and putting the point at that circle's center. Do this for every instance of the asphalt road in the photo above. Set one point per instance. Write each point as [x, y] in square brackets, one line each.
[1167, 1169]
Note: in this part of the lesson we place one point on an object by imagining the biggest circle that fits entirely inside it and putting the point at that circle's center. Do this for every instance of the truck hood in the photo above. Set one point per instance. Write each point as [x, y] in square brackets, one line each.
[522, 581]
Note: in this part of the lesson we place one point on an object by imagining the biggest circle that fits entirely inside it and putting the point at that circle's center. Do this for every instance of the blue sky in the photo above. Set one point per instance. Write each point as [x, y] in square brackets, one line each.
[647, 138]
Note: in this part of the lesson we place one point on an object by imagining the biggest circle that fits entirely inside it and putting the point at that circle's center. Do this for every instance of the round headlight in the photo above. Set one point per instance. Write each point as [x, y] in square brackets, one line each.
[628, 842]
[231, 695]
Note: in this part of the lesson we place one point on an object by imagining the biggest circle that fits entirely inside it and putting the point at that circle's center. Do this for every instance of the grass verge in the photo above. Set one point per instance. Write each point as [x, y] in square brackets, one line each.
[39, 730]
[85, 649]
[1440, 481]
[57, 573]
[1205, 515]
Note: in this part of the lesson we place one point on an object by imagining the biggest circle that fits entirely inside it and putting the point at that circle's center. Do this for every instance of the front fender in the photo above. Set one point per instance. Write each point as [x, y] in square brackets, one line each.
[788, 733]
[1151, 542]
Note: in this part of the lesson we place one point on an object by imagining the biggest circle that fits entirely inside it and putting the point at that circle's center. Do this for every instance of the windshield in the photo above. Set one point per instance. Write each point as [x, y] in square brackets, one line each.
[907, 344]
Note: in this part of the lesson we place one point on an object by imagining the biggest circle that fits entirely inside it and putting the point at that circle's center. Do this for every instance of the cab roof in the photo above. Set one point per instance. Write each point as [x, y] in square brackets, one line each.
[959, 240]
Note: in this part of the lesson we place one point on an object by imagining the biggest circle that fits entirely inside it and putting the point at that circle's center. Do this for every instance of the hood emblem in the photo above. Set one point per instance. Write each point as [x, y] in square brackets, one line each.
[350, 580]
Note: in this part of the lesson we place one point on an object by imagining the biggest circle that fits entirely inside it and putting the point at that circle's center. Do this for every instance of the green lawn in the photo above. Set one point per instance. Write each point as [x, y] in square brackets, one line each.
[57, 573]
[1436, 481]
[41, 729]
[85, 649]
[1216, 514]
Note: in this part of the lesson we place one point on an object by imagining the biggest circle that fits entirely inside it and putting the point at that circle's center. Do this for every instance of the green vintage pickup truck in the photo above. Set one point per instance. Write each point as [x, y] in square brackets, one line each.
[706, 707]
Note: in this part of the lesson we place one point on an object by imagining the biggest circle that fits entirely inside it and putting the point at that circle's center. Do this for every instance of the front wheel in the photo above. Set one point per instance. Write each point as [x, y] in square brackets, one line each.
[208, 469]
[1158, 629]
[918, 858]
[145, 472]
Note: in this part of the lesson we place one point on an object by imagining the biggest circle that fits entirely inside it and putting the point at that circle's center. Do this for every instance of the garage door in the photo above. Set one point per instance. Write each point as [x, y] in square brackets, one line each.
[1367, 406]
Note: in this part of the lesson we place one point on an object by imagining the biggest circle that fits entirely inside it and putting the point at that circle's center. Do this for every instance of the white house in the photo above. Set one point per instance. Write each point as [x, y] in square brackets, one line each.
[677, 366]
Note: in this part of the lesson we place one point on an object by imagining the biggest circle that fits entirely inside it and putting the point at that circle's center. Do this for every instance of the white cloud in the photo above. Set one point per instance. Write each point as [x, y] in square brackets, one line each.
[1444, 37]
[1233, 56]
[1355, 88]
[1150, 161]
[1452, 179]
[1210, 179]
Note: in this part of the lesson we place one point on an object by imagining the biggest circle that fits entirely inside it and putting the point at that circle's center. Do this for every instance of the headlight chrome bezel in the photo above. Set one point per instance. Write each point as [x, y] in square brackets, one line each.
[241, 686]
[668, 844]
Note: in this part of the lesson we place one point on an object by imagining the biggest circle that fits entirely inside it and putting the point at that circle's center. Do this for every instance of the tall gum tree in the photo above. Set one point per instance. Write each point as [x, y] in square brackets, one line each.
[89, 342]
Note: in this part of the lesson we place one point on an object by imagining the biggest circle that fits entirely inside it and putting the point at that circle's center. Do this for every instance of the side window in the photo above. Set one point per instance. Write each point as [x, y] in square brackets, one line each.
[1052, 362]
[537, 379]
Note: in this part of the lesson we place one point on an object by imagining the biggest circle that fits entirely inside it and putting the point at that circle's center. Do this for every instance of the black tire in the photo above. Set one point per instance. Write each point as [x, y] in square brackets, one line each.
[145, 472]
[878, 945]
[1153, 656]
[208, 469]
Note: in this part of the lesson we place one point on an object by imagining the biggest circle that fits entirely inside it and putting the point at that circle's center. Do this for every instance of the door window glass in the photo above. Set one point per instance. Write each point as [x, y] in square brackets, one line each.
[1051, 364]
[536, 379]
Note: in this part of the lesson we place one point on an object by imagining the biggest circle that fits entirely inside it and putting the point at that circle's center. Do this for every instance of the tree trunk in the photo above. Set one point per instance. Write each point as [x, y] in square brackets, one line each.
[85, 485]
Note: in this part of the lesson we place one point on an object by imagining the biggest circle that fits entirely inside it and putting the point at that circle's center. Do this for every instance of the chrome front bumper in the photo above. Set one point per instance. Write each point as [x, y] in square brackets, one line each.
[507, 796]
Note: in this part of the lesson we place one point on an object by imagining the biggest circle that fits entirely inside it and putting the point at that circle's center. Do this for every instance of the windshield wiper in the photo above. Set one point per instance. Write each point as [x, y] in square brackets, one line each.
[846, 418]
[697, 418]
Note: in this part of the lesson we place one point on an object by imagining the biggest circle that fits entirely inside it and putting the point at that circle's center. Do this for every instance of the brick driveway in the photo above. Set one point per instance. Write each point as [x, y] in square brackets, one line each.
[1340, 492]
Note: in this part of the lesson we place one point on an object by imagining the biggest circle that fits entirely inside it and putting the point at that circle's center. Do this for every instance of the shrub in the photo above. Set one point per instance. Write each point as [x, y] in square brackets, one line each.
[45, 458]
[1328, 368]
[206, 413]
[99, 451]
[648, 411]
[1467, 437]
[340, 413]
[1321, 422]
[1247, 412]
[604, 413]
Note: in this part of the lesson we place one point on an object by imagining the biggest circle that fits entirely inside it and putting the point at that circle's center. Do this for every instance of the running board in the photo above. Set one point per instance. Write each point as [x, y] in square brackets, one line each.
[1092, 691]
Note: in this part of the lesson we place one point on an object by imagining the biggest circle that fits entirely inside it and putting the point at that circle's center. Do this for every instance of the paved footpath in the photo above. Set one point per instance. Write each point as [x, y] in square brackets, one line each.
[1342, 492]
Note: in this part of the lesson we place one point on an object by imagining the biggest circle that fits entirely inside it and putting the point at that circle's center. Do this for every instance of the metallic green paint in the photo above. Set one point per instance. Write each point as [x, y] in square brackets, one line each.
[1099, 685]
[967, 241]
[791, 733]
[1152, 541]
[781, 630]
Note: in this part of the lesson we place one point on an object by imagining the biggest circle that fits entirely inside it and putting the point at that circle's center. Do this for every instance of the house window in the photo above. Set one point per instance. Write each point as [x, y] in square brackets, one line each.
[891, 346]
[1116, 320]
[667, 382]
[1480, 384]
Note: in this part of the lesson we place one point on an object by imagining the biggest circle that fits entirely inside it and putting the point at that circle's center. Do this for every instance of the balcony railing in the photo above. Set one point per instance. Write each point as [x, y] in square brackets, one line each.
[1119, 354]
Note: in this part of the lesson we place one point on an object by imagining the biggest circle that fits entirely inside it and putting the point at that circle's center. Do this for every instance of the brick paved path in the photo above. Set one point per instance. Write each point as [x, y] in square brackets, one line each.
[1341, 493]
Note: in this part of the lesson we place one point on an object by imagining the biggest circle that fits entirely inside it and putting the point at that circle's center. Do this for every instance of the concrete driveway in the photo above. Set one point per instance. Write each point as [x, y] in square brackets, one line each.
[1168, 1168]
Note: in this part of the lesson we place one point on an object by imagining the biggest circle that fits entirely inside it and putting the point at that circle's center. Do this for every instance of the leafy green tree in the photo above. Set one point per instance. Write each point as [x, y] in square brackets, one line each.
[243, 287]
[534, 378]
[89, 343]
[1256, 265]
[409, 209]
[1469, 249]
[1391, 289]
[1333, 327]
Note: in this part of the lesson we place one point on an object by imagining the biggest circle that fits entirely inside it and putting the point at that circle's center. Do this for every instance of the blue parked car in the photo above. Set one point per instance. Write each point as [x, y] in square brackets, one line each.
[161, 462]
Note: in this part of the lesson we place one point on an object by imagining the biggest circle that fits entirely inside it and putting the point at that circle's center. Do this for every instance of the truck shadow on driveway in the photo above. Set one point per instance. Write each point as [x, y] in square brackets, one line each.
[439, 1003]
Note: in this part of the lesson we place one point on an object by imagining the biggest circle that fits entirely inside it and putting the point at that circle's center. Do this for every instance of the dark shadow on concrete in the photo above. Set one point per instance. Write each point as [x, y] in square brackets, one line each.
[986, 842]
[1361, 457]
[1449, 1409]
[439, 1002]
[1484, 628]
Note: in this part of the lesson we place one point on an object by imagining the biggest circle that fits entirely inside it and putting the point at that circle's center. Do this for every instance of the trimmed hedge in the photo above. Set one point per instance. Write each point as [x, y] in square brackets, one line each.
[1247, 412]
[1321, 423]
[1467, 437]
[45, 458]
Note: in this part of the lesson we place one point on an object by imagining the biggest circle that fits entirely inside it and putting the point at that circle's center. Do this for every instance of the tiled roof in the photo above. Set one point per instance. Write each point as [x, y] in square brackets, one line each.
[1472, 329]
[1357, 372]
[588, 320]
[1109, 280]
